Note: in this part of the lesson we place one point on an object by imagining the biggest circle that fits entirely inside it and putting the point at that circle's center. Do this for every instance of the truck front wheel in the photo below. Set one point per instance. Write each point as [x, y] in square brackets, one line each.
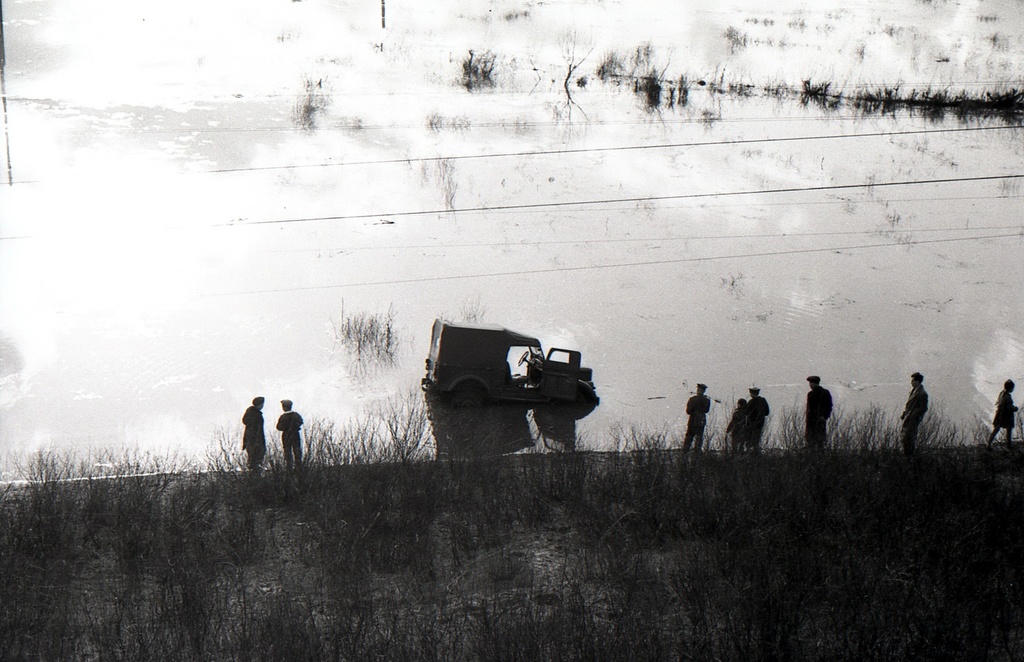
[585, 393]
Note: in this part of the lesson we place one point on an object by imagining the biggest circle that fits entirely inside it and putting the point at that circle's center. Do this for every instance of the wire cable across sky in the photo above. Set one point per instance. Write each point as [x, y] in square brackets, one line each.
[617, 265]
[617, 148]
[624, 200]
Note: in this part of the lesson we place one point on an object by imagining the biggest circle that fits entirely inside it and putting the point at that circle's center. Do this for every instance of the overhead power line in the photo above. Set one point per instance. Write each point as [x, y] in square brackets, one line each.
[567, 206]
[620, 148]
[633, 200]
[619, 265]
[642, 240]
[581, 150]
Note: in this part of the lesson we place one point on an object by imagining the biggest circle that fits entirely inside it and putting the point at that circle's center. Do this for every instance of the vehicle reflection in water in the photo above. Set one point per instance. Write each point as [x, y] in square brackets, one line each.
[502, 428]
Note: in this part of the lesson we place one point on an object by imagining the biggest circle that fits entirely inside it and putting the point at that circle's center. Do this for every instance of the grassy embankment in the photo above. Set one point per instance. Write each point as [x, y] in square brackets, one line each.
[853, 553]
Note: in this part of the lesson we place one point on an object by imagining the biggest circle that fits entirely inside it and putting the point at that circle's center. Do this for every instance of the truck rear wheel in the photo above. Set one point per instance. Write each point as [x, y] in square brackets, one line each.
[468, 396]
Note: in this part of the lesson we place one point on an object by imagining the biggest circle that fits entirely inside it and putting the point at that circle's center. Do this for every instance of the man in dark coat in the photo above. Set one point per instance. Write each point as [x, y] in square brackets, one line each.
[289, 424]
[757, 411]
[913, 412]
[1004, 418]
[254, 442]
[697, 408]
[737, 428]
[819, 409]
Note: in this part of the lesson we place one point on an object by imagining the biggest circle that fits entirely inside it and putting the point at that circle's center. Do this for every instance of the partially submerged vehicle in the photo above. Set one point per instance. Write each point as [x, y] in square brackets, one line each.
[476, 364]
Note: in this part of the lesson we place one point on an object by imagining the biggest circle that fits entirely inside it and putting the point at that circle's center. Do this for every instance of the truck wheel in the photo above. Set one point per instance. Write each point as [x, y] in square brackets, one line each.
[586, 394]
[468, 396]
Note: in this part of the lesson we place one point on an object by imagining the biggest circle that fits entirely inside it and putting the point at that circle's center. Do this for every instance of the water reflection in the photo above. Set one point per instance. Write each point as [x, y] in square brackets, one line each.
[502, 428]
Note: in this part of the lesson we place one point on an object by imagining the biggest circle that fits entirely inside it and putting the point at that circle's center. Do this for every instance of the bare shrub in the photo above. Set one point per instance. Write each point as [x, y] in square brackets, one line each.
[682, 93]
[642, 59]
[394, 429]
[446, 177]
[478, 70]
[634, 437]
[473, 310]
[820, 94]
[368, 336]
[649, 89]
[611, 68]
[571, 45]
[403, 428]
[871, 430]
[737, 39]
[314, 100]
[437, 122]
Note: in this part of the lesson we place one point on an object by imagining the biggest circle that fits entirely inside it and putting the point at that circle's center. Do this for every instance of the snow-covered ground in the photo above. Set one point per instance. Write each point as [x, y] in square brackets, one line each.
[177, 239]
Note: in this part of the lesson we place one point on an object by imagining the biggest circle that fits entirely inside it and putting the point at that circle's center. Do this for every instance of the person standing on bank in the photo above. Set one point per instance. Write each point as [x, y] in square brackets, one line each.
[289, 424]
[254, 442]
[819, 409]
[1004, 418]
[757, 411]
[697, 408]
[913, 412]
[737, 428]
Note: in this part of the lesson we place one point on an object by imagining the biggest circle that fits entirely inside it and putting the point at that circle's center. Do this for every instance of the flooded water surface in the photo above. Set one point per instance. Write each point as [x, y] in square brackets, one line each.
[189, 231]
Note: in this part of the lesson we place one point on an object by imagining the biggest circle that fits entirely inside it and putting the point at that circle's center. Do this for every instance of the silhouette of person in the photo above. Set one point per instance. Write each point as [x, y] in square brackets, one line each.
[697, 408]
[819, 409]
[913, 412]
[254, 442]
[289, 424]
[1004, 419]
[757, 411]
[737, 428]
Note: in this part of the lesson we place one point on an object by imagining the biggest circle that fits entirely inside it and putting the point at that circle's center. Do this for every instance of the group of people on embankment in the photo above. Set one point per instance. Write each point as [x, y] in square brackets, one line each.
[744, 431]
[746, 426]
[254, 440]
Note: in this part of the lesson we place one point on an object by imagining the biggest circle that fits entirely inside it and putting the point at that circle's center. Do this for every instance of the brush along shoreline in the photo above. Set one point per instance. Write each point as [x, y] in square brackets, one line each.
[646, 554]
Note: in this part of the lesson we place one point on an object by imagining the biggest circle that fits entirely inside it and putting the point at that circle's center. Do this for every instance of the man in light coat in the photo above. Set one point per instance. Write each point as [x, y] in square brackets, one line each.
[1004, 418]
[913, 412]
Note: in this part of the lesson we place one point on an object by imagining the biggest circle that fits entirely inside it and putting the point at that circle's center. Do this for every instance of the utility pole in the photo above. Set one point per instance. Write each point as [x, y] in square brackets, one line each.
[383, 24]
[3, 93]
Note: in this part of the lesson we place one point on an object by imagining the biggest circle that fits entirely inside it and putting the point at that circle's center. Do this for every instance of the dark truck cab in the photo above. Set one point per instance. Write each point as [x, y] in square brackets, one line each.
[474, 363]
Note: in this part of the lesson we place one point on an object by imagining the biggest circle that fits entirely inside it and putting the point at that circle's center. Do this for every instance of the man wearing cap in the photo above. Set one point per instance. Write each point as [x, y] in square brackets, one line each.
[254, 442]
[289, 424]
[757, 411]
[913, 412]
[819, 409]
[697, 408]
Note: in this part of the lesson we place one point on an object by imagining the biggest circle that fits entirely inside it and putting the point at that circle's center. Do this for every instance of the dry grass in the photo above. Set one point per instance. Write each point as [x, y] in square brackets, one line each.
[858, 553]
